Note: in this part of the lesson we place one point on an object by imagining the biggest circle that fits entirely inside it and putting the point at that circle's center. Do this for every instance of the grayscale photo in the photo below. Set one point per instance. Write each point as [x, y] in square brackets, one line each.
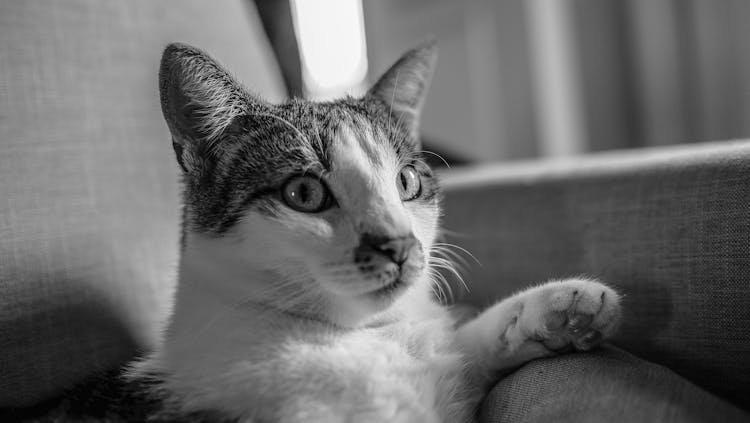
[375, 211]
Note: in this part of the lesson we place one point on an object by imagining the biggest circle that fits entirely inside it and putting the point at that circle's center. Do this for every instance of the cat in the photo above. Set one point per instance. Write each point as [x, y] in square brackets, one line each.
[305, 288]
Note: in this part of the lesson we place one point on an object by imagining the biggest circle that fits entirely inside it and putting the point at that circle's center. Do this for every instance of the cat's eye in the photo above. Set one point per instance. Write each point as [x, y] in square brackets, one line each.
[409, 183]
[306, 194]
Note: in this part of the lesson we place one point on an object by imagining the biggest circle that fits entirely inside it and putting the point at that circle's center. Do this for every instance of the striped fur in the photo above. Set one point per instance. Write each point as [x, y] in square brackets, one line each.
[282, 315]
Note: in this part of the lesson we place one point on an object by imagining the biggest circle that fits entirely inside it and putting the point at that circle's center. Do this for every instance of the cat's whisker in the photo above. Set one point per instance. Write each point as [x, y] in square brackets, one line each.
[436, 286]
[413, 158]
[454, 272]
[435, 293]
[457, 247]
[446, 251]
[457, 261]
[451, 265]
[448, 288]
[436, 155]
[444, 287]
[437, 262]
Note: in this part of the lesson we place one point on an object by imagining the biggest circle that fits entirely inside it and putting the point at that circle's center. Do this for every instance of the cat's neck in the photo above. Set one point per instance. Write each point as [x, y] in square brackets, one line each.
[212, 296]
[212, 329]
[200, 306]
[210, 336]
[220, 303]
[206, 300]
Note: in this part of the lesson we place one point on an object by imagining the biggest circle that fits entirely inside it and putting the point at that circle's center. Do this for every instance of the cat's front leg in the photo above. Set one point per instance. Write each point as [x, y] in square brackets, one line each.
[572, 314]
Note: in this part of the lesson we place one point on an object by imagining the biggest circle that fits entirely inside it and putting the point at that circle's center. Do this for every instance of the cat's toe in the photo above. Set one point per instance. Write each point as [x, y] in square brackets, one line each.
[578, 323]
[581, 314]
[555, 321]
[609, 314]
[588, 341]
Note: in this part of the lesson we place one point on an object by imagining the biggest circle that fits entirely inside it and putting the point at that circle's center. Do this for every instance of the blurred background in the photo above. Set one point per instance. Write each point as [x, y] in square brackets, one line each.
[519, 79]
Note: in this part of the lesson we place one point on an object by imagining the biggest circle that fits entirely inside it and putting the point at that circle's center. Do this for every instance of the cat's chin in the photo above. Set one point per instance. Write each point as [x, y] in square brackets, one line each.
[355, 311]
[389, 292]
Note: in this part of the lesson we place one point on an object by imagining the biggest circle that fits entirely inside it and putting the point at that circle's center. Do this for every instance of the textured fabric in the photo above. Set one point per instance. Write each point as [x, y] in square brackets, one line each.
[669, 228]
[88, 181]
[607, 385]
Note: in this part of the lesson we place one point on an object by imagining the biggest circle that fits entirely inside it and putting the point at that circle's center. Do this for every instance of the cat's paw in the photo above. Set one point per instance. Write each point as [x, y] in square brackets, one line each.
[570, 314]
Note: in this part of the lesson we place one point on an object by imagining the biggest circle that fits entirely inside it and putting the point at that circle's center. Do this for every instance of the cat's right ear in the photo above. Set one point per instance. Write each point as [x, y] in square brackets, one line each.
[200, 100]
[403, 87]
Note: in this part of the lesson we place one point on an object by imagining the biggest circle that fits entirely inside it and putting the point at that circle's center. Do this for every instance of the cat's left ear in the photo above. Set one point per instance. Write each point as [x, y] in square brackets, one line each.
[200, 101]
[404, 86]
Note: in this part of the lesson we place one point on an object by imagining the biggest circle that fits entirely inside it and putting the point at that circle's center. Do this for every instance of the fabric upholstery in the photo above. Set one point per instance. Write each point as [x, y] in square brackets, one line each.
[88, 182]
[668, 227]
[606, 385]
[89, 208]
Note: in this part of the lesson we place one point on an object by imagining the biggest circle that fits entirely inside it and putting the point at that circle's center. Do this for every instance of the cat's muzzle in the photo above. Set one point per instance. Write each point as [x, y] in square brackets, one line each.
[393, 262]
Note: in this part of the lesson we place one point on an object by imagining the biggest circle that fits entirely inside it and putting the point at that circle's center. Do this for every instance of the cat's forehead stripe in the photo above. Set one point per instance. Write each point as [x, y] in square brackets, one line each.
[360, 137]
[367, 141]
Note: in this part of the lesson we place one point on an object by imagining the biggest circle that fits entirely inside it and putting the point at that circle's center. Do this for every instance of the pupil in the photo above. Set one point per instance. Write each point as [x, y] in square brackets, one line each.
[403, 180]
[303, 193]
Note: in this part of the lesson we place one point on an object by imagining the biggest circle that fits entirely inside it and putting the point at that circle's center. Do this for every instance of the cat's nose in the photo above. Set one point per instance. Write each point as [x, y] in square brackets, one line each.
[395, 249]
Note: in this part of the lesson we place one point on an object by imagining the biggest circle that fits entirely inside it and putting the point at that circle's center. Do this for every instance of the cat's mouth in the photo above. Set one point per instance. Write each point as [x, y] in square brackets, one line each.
[389, 290]
[393, 281]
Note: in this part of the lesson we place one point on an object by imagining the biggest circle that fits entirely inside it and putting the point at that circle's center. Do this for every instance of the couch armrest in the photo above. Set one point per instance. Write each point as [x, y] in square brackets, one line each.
[669, 227]
[89, 216]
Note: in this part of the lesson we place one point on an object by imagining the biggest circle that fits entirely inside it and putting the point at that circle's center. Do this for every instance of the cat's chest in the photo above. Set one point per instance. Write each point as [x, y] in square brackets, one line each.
[416, 362]
[416, 354]
[426, 342]
[419, 360]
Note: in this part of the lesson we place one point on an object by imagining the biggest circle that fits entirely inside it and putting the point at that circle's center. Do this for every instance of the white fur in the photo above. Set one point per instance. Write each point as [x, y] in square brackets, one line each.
[270, 321]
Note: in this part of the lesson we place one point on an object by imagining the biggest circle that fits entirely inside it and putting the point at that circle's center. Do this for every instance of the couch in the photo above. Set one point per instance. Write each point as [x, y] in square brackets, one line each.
[89, 215]
[669, 227]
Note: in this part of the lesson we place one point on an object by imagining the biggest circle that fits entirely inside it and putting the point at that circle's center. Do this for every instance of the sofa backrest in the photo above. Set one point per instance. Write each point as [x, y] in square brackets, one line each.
[89, 206]
[668, 227]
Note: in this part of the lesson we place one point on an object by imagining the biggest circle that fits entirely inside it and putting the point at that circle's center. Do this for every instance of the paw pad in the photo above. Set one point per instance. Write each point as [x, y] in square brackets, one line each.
[578, 314]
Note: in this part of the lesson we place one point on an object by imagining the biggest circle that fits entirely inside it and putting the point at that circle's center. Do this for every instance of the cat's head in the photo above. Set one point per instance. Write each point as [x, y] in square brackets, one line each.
[323, 209]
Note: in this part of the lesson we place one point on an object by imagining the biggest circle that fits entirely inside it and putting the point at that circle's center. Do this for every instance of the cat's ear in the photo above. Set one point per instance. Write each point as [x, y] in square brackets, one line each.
[200, 100]
[404, 86]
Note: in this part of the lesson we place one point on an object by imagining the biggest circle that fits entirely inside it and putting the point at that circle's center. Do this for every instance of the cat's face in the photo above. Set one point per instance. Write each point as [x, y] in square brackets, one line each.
[322, 209]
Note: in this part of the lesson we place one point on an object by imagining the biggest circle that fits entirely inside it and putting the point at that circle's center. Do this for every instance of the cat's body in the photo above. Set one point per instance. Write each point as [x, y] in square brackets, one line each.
[306, 276]
[406, 365]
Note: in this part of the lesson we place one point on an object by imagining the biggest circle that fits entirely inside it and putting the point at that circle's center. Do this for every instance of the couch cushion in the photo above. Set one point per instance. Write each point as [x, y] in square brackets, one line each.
[89, 205]
[607, 385]
[669, 227]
